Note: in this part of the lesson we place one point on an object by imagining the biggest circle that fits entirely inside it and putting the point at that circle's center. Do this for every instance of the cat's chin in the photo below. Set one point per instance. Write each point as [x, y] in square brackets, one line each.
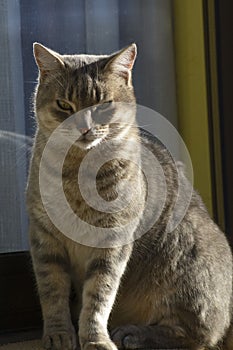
[87, 144]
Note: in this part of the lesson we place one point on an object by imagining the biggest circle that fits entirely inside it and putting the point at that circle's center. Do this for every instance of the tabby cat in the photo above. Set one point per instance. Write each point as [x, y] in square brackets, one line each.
[162, 290]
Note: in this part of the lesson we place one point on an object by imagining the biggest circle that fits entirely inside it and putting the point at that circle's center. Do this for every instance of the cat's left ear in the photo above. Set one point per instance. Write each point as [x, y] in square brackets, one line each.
[122, 62]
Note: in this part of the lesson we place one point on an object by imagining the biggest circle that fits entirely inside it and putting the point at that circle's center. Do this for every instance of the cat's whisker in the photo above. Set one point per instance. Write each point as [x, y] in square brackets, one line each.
[142, 126]
[133, 125]
[30, 82]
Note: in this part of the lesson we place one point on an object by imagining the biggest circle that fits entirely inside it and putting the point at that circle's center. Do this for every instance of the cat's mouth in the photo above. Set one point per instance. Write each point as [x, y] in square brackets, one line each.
[88, 140]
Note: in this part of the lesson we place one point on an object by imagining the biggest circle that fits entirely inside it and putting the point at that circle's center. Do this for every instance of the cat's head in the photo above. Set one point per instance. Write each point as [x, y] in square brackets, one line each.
[96, 90]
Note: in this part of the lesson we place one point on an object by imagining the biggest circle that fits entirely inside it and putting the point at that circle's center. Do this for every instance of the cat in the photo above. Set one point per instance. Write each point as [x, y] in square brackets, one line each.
[161, 290]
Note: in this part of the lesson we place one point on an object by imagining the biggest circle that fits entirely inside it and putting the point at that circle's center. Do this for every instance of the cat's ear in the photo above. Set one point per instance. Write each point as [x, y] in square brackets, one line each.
[46, 59]
[122, 62]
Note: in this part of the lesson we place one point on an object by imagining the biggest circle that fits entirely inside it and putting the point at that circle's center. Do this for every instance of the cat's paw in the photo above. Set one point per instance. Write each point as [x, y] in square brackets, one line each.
[60, 341]
[128, 337]
[101, 345]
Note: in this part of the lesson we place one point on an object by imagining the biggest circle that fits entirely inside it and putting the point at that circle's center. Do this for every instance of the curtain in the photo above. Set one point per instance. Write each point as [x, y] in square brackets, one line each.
[13, 221]
[72, 26]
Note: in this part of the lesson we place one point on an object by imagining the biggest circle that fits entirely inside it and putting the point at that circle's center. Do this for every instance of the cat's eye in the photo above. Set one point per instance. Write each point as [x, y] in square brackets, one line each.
[64, 105]
[104, 106]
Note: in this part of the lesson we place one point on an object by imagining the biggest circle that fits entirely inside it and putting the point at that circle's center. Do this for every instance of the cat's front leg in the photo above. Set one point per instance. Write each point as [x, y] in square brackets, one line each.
[51, 268]
[103, 275]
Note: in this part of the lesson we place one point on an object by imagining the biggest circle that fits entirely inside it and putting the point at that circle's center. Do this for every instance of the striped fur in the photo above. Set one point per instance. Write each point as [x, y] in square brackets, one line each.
[165, 289]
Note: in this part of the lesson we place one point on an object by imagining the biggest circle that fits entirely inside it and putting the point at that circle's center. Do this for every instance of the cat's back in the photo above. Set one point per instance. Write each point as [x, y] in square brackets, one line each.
[195, 247]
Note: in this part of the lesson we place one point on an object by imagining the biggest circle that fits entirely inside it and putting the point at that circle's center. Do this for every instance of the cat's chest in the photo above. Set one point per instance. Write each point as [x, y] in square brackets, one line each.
[79, 256]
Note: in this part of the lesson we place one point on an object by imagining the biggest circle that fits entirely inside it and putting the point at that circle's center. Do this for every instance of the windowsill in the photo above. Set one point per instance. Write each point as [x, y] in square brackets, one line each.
[20, 336]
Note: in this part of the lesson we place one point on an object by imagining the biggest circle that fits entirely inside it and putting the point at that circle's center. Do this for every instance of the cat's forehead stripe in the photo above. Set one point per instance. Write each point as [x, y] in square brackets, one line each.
[98, 93]
[70, 92]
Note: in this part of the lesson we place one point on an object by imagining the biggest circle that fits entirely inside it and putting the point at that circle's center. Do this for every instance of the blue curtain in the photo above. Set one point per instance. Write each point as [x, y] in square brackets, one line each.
[13, 221]
[72, 26]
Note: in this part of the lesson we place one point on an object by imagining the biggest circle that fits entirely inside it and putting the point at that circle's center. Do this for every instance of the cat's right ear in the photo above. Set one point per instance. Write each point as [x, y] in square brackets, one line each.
[46, 59]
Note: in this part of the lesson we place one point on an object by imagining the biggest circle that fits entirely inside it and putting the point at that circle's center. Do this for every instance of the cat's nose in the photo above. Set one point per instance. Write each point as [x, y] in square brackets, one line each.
[84, 131]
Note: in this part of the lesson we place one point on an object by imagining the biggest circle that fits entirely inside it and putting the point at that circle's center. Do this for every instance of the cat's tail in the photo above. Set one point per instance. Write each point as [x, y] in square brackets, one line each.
[228, 339]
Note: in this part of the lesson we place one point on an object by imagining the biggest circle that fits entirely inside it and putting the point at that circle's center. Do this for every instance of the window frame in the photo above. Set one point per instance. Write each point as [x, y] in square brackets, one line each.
[20, 311]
